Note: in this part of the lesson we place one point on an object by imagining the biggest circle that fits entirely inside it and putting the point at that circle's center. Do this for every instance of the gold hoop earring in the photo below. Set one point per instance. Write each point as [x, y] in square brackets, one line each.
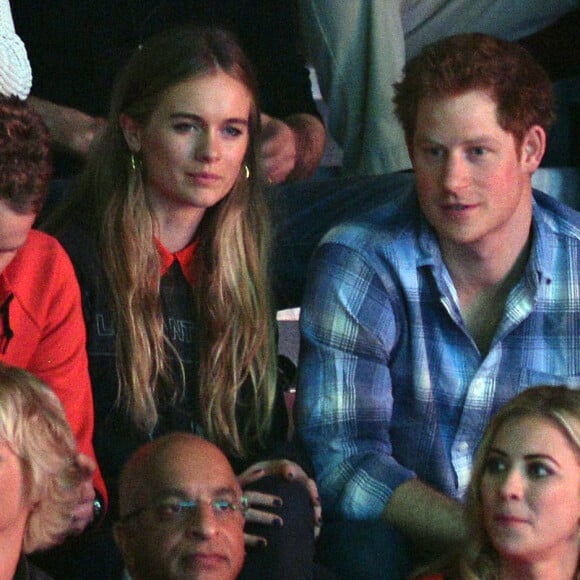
[247, 171]
[134, 177]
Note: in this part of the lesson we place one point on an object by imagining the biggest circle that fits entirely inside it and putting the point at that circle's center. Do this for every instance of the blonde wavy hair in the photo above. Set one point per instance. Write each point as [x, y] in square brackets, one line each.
[478, 559]
[232, 297]
[34, 426]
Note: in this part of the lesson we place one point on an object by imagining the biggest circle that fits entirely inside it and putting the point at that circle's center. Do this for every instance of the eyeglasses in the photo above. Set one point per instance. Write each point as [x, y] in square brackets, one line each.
[174, 510]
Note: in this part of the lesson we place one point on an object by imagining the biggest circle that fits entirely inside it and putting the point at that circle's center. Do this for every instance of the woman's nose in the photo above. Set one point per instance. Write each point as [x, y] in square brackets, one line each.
[513, 485]
[207, 147]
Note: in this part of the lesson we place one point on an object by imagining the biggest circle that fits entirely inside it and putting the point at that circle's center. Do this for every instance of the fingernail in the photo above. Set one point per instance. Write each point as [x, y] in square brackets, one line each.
[290, 475]
[257, 471]
[277, 502]
[277, 522]
[262, 543]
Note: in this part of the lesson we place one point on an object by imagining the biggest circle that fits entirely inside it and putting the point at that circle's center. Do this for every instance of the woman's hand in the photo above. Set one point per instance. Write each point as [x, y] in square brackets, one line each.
[289, 471]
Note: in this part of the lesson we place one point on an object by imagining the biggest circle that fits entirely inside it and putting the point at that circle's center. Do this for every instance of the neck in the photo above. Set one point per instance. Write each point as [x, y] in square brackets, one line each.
[483, 286]
[176, 230]
[555, 569]
[11, 550]
[487, 264]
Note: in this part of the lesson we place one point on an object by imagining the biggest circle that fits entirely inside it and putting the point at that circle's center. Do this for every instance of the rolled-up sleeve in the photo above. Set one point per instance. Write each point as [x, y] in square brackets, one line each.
[344, 402]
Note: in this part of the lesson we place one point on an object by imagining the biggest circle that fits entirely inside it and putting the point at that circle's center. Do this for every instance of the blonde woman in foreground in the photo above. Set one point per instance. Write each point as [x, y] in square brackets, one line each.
[40, 479]
[523, 503]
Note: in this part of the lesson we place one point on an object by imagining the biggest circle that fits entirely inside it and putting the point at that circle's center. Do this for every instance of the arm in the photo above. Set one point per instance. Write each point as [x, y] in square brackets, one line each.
[60, 359]
[429, 517]
[344, 402]
[71, 130]
[294, 135]
[291, 149]
[351, 320]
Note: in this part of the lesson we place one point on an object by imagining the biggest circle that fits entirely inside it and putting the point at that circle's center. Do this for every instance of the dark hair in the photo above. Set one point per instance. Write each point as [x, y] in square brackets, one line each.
[504, 70]
[25, 167]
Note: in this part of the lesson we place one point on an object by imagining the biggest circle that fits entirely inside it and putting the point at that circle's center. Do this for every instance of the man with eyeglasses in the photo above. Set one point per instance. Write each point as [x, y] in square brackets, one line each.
[181, 512]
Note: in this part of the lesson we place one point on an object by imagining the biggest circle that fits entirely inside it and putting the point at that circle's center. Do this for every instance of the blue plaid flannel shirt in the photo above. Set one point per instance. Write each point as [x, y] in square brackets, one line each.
[391, 384]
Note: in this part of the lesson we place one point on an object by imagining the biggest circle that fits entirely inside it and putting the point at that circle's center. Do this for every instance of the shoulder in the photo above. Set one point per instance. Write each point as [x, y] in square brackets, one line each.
[388, 230]
[40, 256]
[555, 216]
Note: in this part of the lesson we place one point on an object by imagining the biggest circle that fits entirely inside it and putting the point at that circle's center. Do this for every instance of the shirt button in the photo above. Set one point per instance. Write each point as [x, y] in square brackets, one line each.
[463, 446]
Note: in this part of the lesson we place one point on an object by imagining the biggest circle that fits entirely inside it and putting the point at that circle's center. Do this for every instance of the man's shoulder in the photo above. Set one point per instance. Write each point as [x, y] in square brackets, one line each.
[39, 249]
[40, 262]
[560, 219]
[389, 222]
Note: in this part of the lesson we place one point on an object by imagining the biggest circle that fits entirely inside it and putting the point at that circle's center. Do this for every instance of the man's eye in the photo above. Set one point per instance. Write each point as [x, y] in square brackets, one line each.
[434, 152]
[172, 509]
[495, 465]
[222, 505]
[477, 151]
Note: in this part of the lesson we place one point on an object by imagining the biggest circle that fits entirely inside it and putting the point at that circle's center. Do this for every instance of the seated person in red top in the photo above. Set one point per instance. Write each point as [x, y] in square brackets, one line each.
[41, 322]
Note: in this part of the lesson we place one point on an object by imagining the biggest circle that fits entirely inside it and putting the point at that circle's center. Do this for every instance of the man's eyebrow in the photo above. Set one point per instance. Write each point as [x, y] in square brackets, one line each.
[225, 490]
[478, 139]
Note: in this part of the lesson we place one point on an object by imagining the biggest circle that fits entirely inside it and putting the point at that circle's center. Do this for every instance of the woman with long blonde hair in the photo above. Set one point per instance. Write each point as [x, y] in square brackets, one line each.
[168, 233]
[523, 501]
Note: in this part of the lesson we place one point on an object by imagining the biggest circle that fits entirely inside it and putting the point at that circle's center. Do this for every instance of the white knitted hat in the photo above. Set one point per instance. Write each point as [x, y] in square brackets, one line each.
[15, 73]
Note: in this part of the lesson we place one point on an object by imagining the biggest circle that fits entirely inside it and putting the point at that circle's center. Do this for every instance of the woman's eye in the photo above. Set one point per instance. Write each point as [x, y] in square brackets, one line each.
[231, 131]
[538, 469]
[495, 465]
[184, 127]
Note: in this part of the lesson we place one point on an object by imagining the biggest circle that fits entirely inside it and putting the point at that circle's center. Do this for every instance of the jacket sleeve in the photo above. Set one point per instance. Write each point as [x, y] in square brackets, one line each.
[60, 358]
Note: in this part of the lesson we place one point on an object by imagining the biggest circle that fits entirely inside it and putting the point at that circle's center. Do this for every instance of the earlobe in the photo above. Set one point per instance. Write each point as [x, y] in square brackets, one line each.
[131, 132]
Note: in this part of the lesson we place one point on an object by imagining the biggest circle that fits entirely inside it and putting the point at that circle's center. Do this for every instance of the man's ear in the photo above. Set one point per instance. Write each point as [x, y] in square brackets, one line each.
[131, 131]
[533, 148]
[409, 144]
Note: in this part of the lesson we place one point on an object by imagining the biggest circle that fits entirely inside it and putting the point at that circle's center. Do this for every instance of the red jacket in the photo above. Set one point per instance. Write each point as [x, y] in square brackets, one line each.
[42, 330]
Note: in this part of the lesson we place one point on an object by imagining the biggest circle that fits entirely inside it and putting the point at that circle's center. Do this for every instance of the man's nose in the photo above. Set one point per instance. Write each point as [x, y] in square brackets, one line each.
[456, 172]
[203, 520]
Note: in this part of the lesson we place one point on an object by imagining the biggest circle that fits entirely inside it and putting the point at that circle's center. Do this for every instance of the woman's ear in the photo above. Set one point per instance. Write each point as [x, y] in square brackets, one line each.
[533, 148]
[132, 132]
